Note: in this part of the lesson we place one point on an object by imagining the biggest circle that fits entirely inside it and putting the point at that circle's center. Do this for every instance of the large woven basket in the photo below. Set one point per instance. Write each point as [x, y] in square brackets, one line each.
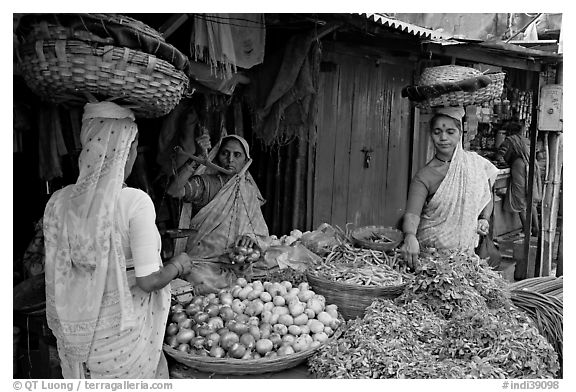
[351, 299]
[233, 366]
[63, 70]
[361, 237]
[455, 73]
[50, 26]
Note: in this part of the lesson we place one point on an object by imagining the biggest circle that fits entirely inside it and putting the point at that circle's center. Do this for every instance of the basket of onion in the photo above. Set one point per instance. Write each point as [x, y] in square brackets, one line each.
[250, 328]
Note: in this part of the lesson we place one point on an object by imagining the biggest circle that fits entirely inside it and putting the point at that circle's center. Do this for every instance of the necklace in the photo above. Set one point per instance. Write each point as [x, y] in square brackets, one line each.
[442, 160]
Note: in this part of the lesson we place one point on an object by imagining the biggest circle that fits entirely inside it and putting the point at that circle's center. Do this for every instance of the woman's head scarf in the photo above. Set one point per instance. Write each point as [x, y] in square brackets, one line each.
[455, 112]
[242, 141]
[85, 264]
[213, 155]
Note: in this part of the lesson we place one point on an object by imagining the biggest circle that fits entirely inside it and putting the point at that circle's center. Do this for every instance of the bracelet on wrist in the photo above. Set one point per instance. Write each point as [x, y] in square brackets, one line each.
[178, 269]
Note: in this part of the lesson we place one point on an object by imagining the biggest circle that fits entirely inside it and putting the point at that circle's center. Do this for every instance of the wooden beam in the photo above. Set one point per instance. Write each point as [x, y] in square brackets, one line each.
[476, 54]
[380, 55]
[172, 24]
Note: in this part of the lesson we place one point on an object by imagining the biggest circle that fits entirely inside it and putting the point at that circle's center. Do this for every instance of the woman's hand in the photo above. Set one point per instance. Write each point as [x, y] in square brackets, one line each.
[483, 226]
[410, 249]
[204, 143]
[181, 265]
[246, 241]
[184, 261]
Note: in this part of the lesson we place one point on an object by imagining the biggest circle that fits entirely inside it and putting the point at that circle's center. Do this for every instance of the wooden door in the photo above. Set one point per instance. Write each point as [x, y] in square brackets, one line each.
[361, 111]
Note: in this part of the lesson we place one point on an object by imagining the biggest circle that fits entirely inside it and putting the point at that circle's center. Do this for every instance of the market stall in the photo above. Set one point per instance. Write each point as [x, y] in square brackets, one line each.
[441, 320]
[301, 301]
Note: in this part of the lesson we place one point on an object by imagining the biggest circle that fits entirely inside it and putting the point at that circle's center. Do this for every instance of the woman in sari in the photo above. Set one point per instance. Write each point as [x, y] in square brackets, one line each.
[107, 293]
[515, 152]
[229, 212]
[449, 200]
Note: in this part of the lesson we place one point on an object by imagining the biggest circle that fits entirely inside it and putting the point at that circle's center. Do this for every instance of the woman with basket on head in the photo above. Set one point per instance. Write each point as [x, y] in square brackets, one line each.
[450, 199]
[229, 212]
[107, 292]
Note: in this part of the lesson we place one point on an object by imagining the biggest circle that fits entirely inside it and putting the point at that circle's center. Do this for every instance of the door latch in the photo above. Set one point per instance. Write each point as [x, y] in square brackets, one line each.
[367, 156]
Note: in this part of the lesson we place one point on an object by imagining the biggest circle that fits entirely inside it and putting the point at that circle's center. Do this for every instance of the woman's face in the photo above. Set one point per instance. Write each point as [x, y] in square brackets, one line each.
[231, 155]
[445, 135]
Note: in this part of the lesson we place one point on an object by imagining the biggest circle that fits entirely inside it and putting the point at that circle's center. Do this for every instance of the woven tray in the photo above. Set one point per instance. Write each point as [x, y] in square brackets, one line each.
[244, 366]
[62, 70]
[351, 299]
[455, 73]
[361, 235]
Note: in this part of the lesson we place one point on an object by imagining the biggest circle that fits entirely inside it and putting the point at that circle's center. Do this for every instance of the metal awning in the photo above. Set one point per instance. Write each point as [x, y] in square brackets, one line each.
[404, 27]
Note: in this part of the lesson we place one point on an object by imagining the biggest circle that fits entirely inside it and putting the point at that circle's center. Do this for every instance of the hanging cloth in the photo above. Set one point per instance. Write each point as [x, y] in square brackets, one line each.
[227, 41]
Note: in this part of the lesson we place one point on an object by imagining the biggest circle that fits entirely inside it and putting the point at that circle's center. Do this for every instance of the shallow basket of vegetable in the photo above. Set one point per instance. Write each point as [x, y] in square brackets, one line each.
[232, 366]
[250, 328]
[377, 237]
[352, 299]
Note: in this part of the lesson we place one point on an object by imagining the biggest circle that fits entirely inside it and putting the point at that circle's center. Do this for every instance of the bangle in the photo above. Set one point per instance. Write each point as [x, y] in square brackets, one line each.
[178, 270]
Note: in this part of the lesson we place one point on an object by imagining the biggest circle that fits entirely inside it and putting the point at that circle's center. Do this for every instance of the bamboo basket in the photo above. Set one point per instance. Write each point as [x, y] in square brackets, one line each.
[351, 299]
[361, 237]
[455, 73]
[51, 26]
[233, 366]
[64, 70]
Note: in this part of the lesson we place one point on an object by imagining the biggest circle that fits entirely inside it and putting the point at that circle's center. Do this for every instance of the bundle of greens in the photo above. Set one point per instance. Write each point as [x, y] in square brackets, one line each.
[454, 320]
[451, 281]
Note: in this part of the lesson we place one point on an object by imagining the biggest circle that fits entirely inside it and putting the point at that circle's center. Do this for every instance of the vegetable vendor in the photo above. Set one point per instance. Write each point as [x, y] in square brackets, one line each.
[230, 212]
[107, 293]
[450, 199]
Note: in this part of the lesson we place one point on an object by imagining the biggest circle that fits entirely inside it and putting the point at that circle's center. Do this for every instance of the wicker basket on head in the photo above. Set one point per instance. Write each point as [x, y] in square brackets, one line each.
[351, 299]
[63, 70]
[455, 73]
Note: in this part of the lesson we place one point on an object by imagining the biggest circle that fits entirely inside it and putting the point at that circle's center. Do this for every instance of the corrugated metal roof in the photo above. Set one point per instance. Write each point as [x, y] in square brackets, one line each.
[404, 27]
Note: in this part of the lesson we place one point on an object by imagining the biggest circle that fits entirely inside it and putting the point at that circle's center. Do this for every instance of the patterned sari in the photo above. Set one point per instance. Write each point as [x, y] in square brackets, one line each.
[102, 321]
[449, 219]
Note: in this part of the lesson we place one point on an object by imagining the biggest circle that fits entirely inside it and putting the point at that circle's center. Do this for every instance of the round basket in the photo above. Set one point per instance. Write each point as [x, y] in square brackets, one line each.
[455, 73]
[446, 73]
[362, 237]
[352, 300]
[244, 366]
[73, 26]
[63, 70]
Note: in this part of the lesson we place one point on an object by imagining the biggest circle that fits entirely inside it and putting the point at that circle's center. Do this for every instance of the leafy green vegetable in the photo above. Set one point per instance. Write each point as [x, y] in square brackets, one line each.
[454, 320]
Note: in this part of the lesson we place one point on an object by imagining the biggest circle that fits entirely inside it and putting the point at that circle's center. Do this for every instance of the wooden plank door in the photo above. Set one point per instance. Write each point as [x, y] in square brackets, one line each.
[360, 111]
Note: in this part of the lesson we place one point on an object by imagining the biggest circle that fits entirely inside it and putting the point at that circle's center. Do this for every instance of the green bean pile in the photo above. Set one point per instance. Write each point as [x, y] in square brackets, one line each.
[365, 267]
